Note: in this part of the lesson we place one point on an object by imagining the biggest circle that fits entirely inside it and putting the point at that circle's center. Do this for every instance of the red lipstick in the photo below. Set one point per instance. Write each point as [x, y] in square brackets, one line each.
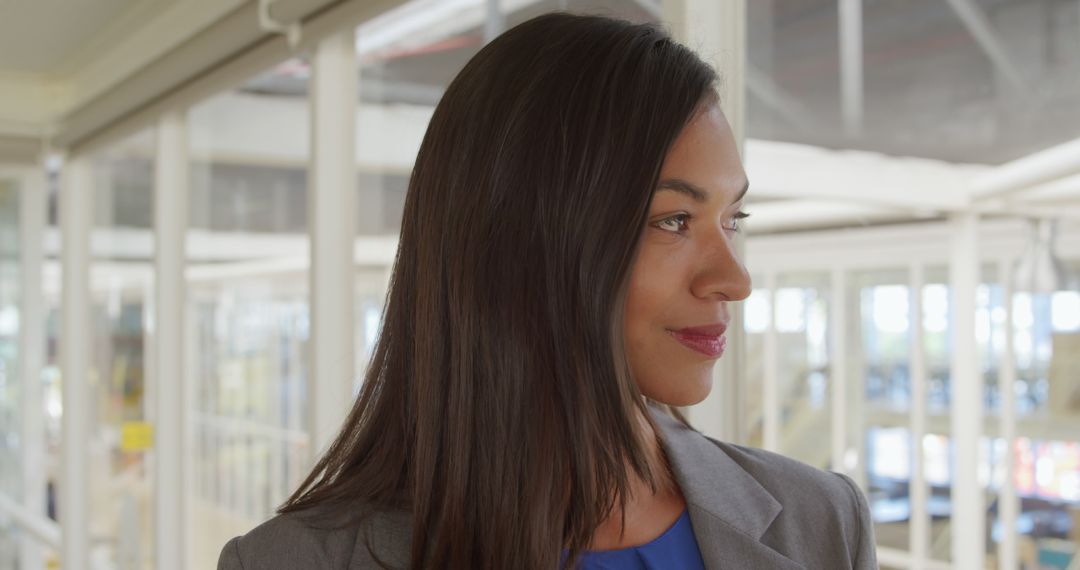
[708, 340]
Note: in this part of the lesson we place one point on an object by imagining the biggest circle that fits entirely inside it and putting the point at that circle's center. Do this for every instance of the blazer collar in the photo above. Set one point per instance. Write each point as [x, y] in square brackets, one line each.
[729, 510]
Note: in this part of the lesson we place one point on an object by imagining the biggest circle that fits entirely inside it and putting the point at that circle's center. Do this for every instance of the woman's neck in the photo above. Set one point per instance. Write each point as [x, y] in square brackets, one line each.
[648, 514]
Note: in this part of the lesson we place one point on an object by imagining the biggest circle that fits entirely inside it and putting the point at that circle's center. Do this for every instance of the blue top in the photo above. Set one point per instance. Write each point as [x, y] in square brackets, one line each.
[676, 549]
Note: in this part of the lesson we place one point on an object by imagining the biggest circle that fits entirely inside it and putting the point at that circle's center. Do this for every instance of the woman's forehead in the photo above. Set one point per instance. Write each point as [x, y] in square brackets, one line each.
[704, 159]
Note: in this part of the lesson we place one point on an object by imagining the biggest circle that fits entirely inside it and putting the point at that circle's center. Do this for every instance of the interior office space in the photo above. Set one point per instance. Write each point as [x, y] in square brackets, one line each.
[193, 194]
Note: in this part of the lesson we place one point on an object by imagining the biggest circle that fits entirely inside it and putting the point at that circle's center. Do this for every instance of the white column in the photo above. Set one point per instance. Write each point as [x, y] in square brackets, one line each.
[968, 512]
[919, 492]
[770, 390]
[838, 366]
[1008, 502]
[170, 222]
[197, 468]
[76, 218]
[494, 21]
[725, 37]
[851, 65]
[332, 205]
[32, 214]
[717, 31]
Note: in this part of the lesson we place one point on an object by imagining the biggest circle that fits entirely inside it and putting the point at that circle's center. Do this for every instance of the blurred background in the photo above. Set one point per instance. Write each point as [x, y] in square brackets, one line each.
[199, 208]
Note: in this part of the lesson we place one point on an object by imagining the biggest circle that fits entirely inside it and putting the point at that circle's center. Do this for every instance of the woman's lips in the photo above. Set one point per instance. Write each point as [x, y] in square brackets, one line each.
[708, 340]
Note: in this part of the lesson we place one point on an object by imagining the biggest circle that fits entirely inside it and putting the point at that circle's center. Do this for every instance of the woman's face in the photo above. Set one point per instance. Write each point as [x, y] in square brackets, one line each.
[687, 270]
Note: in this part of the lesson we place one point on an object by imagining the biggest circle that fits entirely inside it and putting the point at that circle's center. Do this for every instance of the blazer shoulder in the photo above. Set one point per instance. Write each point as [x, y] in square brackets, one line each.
[786, 477]
[289, 541]
[318, 540]
[831, 499]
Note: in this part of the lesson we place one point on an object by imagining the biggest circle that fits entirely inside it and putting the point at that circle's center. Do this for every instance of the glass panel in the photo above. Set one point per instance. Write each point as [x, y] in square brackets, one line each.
[10, 411]
[371, 287]
[937, 443]
[884, 353]
[882, 386]
[937, 339]
[757, 314]
[1047, 345]
[247, 304]
[802, 321]
[885, 311]
[927, 88]
[1033, 338]
[121, 289]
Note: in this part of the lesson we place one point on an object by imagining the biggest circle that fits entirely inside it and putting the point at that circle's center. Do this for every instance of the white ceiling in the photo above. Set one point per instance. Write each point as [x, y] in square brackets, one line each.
[53, 36]
[58, 54]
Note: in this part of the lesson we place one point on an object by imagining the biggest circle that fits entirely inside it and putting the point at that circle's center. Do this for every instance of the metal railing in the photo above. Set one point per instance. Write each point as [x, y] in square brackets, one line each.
[42, 528]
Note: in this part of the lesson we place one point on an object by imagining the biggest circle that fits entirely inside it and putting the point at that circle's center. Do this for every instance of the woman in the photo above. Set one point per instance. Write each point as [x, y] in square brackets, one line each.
[561, 285]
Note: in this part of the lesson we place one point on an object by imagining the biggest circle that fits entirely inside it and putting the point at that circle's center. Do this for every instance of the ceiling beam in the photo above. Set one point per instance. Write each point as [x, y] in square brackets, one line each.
[805, 214]
[1069, 212]
[135, 39]
[232, 34]
[979, 26]
[1028, 173]
[423, 23]
[918, 186]
[1061, 191]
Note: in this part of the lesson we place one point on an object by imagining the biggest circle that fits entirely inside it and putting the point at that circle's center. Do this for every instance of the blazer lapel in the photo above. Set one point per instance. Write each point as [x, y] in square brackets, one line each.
[729, 509]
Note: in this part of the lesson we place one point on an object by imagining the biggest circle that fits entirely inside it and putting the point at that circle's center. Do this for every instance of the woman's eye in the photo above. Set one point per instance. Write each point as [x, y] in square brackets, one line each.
[676, 223]
[735, 220]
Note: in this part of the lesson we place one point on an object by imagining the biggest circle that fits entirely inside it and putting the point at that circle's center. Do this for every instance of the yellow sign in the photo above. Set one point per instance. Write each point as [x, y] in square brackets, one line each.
[136, 436]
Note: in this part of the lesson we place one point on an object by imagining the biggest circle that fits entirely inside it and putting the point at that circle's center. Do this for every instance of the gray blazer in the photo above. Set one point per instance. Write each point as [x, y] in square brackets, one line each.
[749, 509]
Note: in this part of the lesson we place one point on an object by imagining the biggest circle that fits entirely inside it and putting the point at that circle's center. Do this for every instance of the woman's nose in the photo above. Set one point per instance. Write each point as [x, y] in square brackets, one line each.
[721, 274]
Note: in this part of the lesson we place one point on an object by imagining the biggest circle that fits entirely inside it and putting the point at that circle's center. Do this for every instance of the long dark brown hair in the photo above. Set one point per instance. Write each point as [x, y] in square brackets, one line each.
[499, 408]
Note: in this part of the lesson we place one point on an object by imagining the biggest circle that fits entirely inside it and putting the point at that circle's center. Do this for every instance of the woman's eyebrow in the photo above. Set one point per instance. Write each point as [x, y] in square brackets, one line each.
[683, 187]
[693, 190]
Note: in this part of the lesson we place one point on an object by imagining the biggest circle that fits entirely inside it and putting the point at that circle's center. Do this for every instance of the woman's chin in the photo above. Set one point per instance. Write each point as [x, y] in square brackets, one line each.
[687, 393]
